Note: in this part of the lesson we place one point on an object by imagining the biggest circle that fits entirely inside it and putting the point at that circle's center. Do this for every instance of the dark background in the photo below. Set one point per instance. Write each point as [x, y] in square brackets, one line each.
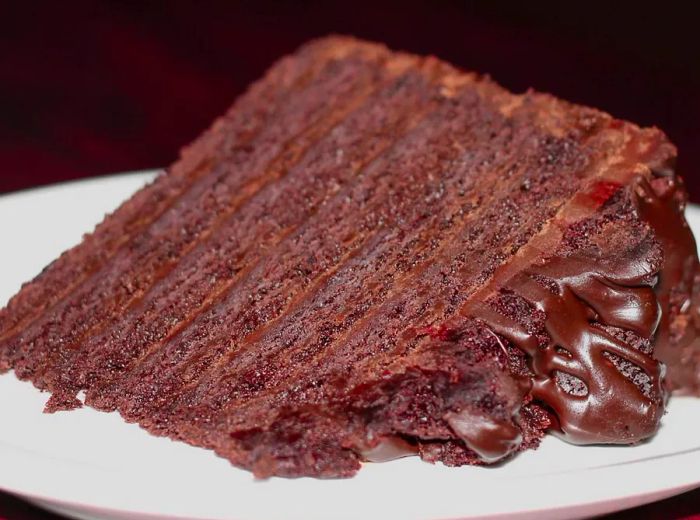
[95, 87]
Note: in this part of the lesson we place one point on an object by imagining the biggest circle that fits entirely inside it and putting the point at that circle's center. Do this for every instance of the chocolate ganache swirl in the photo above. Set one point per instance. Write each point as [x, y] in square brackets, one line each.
[614, 409]
[583, 294]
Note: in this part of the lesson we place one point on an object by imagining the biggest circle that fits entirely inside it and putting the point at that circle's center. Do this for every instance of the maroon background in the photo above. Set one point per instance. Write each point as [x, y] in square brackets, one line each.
[95, 87]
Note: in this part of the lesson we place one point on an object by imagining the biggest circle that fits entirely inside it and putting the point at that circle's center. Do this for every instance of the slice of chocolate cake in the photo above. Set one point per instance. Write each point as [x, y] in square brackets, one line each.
[373, 254]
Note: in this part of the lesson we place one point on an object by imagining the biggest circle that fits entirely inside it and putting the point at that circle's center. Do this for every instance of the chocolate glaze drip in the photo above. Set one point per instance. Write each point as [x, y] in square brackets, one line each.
[388, 448]
[490, 438]
[585, 291]
[662, 206]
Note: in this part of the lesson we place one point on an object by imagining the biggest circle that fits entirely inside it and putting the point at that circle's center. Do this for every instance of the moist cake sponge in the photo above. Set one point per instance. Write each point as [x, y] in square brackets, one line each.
[373, 254]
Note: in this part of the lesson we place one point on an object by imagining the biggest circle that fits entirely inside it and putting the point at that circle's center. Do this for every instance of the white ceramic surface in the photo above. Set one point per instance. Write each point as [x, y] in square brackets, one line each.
[93, 465]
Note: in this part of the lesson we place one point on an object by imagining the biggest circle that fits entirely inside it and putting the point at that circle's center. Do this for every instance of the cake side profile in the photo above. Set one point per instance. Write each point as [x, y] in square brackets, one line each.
[373, 254]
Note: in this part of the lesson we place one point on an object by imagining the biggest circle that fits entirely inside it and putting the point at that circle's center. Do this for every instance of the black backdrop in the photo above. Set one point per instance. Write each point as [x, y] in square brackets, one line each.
[91, 87]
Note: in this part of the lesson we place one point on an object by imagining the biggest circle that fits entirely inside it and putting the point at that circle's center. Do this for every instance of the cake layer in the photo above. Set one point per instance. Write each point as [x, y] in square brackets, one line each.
[373, 254]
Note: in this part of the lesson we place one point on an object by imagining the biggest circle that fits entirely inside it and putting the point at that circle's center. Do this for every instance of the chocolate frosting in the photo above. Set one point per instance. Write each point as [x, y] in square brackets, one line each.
[582, 293]
[678, 291]
[614, 410]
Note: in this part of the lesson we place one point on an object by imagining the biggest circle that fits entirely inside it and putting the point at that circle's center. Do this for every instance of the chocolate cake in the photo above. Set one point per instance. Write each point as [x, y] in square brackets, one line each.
[374, 254]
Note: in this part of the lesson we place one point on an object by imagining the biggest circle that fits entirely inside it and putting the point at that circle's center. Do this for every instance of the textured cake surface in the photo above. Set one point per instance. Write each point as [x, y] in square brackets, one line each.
[373, 254]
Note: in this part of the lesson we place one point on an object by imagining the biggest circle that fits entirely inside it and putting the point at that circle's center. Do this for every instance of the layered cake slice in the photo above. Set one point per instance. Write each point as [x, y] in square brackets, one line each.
[373, 254]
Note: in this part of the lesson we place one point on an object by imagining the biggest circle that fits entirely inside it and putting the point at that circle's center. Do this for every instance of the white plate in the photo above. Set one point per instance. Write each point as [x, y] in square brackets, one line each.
[93, 465]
